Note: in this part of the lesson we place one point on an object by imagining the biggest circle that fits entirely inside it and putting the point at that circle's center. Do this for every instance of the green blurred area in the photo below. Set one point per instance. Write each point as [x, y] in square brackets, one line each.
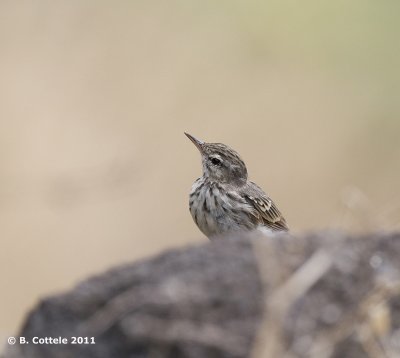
[95, 169]
[358, 37]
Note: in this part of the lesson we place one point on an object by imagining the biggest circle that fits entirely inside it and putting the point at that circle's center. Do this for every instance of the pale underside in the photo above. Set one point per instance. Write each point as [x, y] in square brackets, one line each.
[218, 209]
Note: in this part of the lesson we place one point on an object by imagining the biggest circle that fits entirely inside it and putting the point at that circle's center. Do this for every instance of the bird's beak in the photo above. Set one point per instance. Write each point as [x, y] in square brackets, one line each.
[198, 143]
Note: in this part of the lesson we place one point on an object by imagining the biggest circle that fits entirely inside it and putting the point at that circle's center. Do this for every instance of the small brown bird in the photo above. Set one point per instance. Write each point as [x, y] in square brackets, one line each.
[223, 200]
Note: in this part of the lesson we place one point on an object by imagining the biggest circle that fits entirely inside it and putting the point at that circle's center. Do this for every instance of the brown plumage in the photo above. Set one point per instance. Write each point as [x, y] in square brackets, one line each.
[224, 200]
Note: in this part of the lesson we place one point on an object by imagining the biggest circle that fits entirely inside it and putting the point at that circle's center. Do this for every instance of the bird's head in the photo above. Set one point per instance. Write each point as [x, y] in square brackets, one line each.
[220, 163]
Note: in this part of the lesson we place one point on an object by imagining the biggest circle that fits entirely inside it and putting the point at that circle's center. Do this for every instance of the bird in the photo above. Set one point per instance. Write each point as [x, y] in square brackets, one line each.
[224, 201]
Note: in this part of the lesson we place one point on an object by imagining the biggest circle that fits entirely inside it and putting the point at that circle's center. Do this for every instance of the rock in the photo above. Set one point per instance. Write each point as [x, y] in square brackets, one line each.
[326, 294]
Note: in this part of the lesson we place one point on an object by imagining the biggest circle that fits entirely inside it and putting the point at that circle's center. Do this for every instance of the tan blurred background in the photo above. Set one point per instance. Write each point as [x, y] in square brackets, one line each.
[95, 96]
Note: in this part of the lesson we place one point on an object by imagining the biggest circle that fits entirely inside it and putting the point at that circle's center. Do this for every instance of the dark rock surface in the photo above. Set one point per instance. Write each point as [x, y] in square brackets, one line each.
[319, 295]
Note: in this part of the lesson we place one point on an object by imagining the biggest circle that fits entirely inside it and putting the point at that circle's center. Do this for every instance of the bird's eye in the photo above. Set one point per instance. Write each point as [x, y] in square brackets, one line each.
[216, 161]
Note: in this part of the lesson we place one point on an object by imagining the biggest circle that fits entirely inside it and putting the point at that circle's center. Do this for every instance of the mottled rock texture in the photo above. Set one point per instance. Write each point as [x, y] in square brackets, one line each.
[325, 294]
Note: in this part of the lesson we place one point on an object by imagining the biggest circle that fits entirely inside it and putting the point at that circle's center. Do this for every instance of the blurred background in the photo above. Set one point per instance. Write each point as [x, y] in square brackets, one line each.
[95, 96]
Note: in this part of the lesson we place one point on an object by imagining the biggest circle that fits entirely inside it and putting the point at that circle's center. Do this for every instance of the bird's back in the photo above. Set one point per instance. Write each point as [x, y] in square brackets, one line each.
[265, 210]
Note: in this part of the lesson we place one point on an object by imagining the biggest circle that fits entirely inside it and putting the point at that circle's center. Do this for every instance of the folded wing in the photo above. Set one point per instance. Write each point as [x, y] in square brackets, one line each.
[265, 209]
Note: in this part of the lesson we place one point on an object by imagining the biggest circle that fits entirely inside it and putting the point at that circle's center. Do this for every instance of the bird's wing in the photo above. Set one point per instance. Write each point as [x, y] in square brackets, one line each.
[265, 209]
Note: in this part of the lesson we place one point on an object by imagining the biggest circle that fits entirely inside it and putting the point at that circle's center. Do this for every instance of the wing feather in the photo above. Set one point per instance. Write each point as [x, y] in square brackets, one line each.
[265, 209]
